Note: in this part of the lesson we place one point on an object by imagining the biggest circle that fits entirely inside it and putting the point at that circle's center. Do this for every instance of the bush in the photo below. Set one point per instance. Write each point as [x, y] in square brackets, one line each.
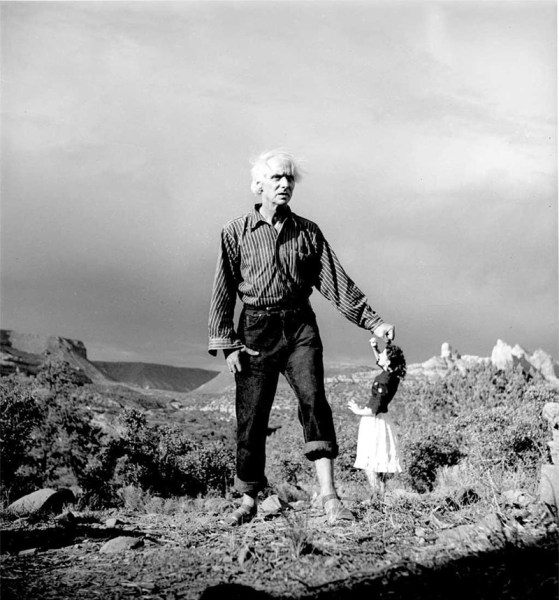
[425, 457]
[505, 435]
[59, 376]
[47, 437]
[67, 439]
[19, 416]
[161, 460]
[207, 469]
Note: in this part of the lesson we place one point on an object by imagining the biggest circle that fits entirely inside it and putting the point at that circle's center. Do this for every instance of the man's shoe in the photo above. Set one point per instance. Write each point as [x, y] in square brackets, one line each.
[241, 515]
[336, 511]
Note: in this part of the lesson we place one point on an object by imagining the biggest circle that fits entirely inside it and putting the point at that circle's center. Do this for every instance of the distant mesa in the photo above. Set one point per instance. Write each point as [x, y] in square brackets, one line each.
[27, 353]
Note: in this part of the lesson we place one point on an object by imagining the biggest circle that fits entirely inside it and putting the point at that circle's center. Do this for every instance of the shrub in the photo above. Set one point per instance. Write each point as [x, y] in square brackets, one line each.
[58, 375]
[19, 416]
[426, 456]
[68, 440]
[161, 460]
[47, 437]
[207, 469]
[505, 435]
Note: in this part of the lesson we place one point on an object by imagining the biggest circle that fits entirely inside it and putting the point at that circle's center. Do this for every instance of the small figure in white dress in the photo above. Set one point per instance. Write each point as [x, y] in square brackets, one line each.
[377, 447]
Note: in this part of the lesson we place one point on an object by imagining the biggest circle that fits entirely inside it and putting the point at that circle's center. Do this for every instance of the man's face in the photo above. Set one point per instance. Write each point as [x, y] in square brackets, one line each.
[279, 183]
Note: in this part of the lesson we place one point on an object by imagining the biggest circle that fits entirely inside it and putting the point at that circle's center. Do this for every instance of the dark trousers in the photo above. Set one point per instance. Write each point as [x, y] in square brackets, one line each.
[288, 342]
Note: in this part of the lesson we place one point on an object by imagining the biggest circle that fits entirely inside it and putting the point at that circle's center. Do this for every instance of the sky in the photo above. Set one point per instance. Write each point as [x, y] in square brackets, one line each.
[428, 131]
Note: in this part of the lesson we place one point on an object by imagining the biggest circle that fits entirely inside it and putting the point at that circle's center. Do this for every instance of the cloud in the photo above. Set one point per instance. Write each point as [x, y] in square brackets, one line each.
[429, 134]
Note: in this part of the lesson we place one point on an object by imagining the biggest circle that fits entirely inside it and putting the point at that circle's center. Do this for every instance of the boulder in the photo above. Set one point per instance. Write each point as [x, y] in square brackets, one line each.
[112, 523]
[272, 505]
[121, 544]
[47, 501]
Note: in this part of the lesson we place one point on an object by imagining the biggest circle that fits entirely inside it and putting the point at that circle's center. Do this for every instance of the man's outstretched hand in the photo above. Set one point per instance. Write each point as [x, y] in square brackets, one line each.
[234, 360]
[385, 331]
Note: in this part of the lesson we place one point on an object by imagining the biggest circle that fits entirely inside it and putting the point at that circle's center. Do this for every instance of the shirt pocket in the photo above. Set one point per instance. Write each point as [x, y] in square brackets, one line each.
[305, 265]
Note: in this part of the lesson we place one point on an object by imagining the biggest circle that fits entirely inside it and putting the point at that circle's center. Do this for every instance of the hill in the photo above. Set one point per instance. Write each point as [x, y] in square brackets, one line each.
[27, 353]
[154, 376]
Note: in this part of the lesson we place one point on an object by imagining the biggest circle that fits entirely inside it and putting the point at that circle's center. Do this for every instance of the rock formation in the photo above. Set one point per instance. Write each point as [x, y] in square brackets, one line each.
[502, 356]
[27, 353]
[448, 353]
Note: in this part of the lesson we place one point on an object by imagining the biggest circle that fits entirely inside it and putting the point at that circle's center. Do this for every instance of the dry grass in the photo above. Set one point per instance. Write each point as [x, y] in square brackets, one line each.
[398, 547]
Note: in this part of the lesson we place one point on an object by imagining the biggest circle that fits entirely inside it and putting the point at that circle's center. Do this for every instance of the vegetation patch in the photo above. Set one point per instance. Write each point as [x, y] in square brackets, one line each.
[162, 466]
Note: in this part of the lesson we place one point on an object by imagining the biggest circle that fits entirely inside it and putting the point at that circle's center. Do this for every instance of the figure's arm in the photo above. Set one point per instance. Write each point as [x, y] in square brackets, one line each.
[374, 347]
[357, 410]
[335, 285]
[222, 335]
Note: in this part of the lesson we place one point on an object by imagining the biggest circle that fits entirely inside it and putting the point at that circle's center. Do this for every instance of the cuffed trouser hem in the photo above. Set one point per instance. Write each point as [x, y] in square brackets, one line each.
[321, 449]
[250, 487]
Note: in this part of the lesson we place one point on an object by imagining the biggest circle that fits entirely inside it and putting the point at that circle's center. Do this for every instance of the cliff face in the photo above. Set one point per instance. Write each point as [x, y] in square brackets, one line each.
[32, 343]
[27, 352]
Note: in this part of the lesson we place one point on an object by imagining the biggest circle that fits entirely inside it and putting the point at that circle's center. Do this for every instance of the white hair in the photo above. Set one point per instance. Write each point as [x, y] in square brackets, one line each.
[260, 167]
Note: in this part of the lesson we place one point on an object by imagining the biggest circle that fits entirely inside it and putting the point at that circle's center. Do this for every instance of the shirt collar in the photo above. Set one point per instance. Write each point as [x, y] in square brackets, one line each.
[256, 219]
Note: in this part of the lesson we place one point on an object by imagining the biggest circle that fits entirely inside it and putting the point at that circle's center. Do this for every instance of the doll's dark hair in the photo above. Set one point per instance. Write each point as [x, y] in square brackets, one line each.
[397, 360]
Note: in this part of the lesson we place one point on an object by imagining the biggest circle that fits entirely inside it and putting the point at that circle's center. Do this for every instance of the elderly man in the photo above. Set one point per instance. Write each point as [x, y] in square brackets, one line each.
[271, 259]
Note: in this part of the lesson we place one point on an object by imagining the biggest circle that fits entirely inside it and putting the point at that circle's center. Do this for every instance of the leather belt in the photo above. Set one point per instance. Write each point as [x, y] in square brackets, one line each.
[278, 308]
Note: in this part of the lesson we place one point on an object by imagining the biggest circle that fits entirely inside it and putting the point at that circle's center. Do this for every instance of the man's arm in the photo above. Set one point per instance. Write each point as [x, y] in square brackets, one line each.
[222, 335]
[335, 285]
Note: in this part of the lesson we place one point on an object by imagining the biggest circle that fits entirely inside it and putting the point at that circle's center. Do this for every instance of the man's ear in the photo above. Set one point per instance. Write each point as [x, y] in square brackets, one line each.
[256, 187]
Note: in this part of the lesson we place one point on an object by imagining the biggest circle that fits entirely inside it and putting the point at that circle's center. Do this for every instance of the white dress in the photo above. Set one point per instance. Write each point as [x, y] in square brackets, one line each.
[377, 448]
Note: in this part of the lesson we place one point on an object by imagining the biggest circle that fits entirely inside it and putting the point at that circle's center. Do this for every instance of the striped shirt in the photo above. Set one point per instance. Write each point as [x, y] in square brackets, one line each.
[267, 267]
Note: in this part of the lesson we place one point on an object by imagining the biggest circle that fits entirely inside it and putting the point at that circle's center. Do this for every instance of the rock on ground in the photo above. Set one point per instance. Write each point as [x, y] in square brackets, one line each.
[46, 500]
[121, 544]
